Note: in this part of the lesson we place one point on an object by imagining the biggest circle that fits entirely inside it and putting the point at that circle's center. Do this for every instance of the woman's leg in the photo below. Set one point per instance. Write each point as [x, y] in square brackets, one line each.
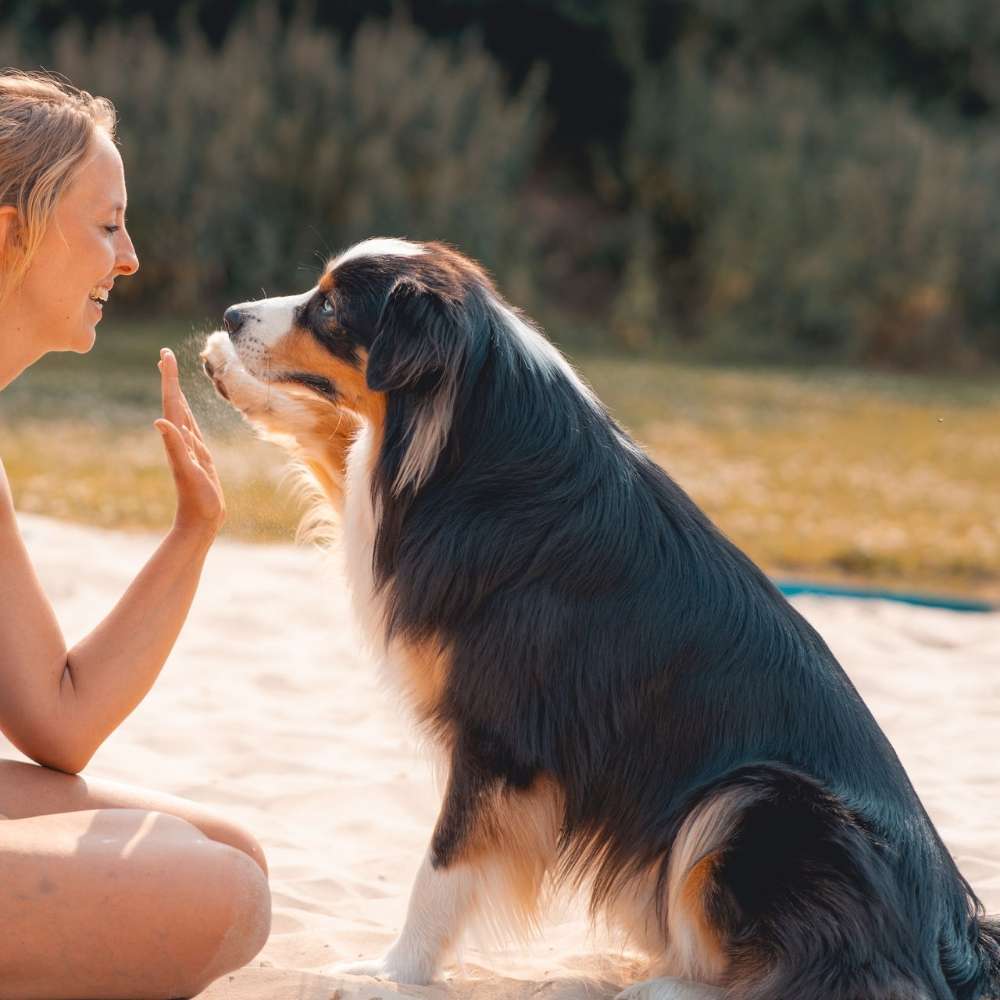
[122, 903]
[29, 790]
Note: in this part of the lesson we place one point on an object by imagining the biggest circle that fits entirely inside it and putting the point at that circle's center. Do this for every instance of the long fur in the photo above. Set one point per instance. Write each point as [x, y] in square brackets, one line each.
[602, 639]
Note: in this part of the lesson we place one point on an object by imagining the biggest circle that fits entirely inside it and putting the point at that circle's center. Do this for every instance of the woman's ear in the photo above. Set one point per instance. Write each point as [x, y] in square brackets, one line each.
[418, 339]
[11, 249]
[10, 227]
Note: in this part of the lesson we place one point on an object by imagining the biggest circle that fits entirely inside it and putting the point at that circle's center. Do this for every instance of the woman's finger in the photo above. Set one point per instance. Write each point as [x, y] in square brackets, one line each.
[174, 395]
[177, 450]
[188, 472]
[199, 495]
[170, 388]
[191, 422]
[199, 448]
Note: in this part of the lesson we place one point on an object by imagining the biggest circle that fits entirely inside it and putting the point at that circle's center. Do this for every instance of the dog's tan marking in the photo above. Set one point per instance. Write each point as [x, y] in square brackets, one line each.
[424, 674]
[300, 352]
[692, 903]
[515, 840]
[324, 453]
[326, 283]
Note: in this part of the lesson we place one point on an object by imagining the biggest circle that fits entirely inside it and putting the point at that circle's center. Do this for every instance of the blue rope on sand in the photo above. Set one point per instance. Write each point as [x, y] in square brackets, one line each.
[923, 600]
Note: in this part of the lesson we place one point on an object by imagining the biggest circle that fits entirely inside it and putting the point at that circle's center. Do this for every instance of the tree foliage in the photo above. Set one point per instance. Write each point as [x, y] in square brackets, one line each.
[801, 178]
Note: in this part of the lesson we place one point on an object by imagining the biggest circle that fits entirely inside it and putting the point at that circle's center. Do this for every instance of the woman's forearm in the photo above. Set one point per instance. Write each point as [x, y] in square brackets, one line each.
[110, 671]
[57, 707]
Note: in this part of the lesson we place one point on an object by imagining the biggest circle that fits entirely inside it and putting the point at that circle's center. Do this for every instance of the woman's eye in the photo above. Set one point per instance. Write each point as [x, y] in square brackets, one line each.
[112, 229]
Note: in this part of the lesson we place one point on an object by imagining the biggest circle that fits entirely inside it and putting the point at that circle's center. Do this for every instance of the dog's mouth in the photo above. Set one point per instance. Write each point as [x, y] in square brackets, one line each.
[316, 383]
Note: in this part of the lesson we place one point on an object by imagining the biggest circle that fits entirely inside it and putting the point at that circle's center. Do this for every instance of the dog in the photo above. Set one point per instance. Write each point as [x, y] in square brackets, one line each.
[626, 703]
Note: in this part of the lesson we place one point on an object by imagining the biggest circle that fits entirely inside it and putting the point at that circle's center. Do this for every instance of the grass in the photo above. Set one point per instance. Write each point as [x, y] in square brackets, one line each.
[830, 475]
[820, 474]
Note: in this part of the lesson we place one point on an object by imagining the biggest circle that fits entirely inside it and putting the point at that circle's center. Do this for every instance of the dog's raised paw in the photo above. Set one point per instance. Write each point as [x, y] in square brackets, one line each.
[219, 359]
[218, 353]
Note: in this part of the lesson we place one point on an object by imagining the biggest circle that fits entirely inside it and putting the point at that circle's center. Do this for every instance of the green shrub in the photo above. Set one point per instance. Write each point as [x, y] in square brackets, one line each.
[248, 164]
[848, 228]
[777, 195]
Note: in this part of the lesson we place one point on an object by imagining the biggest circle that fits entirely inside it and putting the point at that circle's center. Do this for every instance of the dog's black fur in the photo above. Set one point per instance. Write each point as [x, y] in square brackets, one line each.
[604, 634]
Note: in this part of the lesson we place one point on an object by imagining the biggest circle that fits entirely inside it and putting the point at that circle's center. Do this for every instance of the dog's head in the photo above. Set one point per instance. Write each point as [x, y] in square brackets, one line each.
[394, 332]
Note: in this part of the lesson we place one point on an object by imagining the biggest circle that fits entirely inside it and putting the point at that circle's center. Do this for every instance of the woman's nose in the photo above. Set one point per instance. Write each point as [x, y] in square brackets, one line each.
[127, 262]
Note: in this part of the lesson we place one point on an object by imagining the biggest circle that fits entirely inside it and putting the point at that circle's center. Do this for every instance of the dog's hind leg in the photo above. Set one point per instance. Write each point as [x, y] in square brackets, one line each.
[491, 848]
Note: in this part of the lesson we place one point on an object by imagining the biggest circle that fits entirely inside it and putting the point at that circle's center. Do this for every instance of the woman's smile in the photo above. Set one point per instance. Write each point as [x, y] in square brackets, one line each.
[99, 297]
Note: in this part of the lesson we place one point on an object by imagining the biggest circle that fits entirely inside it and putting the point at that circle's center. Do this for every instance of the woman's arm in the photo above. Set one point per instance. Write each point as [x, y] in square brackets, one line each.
[58, 706]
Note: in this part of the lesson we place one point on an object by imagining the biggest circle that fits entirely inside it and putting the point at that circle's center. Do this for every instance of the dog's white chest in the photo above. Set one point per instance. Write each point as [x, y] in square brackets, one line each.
[359, 539]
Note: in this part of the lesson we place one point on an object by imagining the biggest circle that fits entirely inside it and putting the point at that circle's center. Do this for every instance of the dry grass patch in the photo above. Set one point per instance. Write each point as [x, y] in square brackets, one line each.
[826, 475]
[834, 476]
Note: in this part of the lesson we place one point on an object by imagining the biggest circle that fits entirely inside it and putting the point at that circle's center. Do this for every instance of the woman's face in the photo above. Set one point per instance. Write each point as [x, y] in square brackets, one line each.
[84, 249]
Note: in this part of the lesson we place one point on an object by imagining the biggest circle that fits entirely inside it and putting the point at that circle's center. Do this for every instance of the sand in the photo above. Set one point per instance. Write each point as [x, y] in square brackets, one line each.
[270, 711]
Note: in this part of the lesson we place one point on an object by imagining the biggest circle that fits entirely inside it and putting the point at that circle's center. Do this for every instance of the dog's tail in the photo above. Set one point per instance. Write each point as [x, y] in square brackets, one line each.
[799, 898]
[989, 948]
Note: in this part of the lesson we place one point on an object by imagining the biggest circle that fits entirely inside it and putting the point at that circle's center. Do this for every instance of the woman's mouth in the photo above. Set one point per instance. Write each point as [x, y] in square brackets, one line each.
[99, 294]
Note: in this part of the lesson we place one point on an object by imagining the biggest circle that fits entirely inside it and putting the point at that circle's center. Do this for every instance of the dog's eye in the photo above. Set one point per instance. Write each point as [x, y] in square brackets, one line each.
[326, 307]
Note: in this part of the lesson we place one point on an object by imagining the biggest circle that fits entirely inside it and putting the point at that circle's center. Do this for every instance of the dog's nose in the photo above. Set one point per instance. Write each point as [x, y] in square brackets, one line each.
[232, 320]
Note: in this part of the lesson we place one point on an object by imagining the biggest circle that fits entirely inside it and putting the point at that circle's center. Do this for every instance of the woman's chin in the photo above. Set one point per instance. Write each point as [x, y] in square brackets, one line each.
[83, 341]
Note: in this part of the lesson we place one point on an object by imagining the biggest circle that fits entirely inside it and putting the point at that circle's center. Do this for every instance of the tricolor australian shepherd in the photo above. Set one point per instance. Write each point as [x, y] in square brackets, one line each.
[625, 701]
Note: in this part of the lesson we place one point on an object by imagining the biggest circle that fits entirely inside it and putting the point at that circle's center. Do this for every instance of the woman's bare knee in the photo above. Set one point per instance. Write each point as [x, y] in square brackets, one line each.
[142, 903]
[236, 895]
[245, 932]
[233, 835]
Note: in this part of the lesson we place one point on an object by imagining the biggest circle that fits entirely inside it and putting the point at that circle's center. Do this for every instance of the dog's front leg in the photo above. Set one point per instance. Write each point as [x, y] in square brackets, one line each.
[492, 845]
[445, 892]
[441, 901]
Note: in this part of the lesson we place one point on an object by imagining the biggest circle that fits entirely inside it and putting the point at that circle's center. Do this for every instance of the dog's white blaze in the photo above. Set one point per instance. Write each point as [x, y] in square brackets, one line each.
[379, 247]
[268, 320]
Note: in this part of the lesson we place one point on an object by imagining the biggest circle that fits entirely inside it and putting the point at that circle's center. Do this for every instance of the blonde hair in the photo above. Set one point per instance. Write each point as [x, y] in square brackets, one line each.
[46, 128]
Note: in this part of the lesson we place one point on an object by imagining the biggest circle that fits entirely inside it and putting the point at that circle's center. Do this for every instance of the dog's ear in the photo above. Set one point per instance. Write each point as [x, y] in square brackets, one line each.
[418, 340]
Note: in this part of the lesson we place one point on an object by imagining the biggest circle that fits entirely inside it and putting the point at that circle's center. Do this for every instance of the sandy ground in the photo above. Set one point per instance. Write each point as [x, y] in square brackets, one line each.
[270, 711]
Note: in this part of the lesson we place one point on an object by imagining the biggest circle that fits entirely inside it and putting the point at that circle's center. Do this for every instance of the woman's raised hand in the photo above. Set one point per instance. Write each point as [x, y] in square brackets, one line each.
[200, 502]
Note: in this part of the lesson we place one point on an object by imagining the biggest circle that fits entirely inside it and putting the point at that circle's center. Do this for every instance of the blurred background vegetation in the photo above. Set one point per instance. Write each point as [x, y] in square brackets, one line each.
[793, 180]
[804, 192]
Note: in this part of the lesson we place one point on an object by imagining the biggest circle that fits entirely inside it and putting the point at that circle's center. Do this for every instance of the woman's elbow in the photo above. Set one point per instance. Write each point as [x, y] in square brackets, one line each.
[58, 759]
[58, 751]
[51, 726]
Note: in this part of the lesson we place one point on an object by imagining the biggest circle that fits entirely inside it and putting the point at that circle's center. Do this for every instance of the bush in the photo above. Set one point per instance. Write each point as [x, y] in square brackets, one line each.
[248, 163]
[808, 226]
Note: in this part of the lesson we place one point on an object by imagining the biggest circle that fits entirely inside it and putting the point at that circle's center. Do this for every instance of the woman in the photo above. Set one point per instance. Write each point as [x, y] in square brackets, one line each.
[105, 891]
